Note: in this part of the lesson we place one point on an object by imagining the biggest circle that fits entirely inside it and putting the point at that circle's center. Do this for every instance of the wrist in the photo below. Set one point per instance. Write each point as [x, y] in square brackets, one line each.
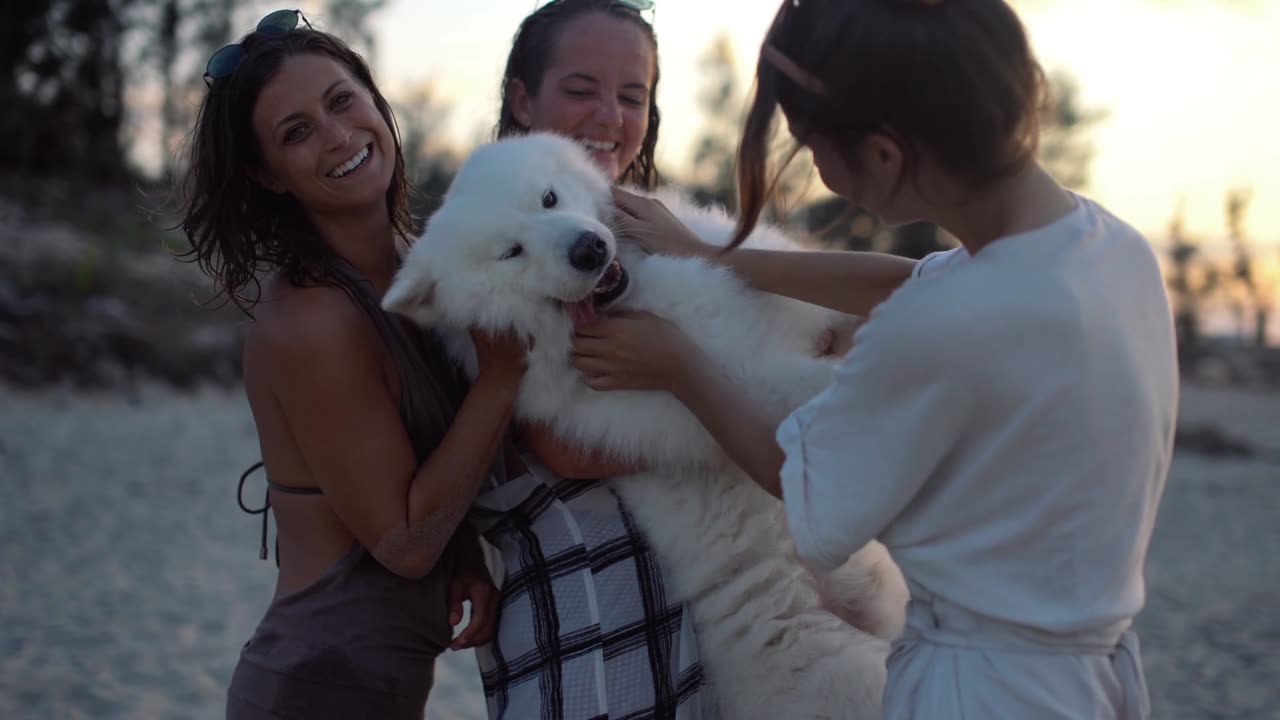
[706, 251]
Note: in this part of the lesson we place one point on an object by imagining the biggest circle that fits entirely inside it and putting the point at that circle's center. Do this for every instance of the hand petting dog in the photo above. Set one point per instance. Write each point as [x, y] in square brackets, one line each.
[634, 351]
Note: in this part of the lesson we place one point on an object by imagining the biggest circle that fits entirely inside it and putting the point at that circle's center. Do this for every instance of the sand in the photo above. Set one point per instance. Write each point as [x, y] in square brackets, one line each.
[129, 578]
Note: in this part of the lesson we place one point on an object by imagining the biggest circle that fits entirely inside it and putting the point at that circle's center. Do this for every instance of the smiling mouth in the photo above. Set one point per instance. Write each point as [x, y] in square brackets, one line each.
[599, 145]
[354, 163]
[612, 284]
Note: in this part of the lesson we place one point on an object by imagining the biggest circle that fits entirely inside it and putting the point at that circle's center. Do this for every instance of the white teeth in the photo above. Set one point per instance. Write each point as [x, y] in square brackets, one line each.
[351, 164]
[600, 145]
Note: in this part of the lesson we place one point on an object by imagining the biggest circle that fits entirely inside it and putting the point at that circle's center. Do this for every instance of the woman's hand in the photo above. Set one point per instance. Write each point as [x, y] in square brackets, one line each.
[635, 351]
[644, 352]
[648, 223]
[472, 582]
[502, 356]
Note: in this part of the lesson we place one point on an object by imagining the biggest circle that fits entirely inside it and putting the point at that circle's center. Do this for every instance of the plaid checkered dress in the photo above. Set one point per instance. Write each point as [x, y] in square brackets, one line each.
[585, 629]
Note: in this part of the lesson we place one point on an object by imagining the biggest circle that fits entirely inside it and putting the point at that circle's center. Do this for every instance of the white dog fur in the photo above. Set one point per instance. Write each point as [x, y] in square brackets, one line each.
[770, 646]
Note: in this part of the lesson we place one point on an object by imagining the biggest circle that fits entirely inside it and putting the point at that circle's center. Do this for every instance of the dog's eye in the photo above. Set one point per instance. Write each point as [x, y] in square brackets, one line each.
[549, 199]
[513, 252]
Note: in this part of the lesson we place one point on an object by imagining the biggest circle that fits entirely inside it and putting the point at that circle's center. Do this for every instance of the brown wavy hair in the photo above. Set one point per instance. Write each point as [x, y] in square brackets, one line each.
[531, 53]
[237, 228]
[953, 78]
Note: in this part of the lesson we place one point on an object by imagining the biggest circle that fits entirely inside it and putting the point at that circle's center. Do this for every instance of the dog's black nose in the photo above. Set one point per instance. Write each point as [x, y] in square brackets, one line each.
[588, 252]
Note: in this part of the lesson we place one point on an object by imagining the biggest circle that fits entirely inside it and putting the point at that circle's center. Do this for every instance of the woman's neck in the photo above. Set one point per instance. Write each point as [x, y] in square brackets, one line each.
[1024, 201]
[366, 241]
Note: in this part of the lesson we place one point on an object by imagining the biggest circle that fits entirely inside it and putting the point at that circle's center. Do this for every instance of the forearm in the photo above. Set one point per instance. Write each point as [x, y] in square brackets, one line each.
[850, 282]
[451, 476]
[444, 486]
[743, 429]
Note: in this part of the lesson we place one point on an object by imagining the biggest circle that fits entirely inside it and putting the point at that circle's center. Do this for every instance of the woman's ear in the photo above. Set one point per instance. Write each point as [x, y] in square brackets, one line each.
[882, 165]
[521, 102]
[882, 154]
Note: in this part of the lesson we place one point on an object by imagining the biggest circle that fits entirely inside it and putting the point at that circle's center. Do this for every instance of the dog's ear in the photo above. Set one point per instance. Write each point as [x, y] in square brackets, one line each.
[413, 295]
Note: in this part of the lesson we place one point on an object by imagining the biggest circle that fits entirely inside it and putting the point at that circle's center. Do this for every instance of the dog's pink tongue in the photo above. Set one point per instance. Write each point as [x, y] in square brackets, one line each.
[583, 312]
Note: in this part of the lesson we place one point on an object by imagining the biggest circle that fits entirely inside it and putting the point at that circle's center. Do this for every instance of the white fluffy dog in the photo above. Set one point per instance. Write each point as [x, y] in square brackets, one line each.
[523, 240]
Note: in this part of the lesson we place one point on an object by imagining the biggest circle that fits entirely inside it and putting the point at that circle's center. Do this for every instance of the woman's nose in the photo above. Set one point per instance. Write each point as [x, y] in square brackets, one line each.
[609, 113]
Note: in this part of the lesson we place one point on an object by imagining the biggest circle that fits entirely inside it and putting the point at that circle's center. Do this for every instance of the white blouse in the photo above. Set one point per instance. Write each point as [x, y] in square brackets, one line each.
[1004, 424]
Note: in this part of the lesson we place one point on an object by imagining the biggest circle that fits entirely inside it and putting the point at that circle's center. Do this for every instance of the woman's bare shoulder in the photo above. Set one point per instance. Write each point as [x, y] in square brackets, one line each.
[315, 321]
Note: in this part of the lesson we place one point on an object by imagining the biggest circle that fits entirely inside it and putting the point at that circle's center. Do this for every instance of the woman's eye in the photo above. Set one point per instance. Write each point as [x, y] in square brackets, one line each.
[549, 199]
[342, 100]
[513, 252]
[295, 133]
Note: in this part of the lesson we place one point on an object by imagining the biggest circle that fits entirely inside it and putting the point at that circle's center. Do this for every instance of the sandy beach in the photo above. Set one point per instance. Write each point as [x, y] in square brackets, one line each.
[129, 578]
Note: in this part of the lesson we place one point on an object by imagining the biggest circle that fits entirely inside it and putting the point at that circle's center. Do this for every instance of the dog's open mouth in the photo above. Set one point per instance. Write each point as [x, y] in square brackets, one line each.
[612, 284]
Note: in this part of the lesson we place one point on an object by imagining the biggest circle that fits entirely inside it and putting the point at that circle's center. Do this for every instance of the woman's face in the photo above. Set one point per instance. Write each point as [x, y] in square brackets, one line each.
[869, 175]
[597, 89]
[321, 137]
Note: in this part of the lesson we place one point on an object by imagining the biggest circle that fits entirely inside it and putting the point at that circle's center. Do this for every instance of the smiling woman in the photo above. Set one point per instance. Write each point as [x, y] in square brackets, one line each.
[331, 148]
[588, 69]
[373, 443]
[589, 631]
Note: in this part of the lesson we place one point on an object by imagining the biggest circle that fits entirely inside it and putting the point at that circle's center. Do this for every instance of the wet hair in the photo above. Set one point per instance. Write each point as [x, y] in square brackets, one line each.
[955, 79]
[530, 55]
[236, 227]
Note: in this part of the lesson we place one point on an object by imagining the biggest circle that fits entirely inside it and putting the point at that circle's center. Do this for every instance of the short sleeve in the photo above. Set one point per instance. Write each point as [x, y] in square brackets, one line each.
[936, 262]
[858, 452]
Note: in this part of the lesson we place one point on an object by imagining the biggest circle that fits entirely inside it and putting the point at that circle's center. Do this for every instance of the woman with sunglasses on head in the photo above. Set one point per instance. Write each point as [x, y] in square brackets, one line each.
[586, 629]
[1004, 422]
[373, 443]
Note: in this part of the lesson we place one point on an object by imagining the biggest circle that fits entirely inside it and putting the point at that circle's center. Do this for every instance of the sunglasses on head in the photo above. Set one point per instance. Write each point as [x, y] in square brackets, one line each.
[227, 58]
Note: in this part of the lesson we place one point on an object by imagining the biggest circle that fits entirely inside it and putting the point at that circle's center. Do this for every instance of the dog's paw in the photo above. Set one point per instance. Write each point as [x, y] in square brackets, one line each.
[868, 592]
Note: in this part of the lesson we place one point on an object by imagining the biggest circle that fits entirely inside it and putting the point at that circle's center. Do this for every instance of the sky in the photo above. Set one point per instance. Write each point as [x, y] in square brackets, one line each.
[1191, 89]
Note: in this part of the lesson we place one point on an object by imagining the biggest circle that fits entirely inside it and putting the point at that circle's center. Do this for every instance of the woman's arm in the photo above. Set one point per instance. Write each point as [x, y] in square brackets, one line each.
[850, 282]
[856, 454]
[472, 582]
[319, 356]
[644, 352]
[741, 427]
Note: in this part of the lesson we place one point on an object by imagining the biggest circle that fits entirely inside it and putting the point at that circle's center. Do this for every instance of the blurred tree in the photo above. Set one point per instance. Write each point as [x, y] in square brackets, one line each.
[1066, 150]
[429, 163]
[169, 42]
[21, 30]
[350, 20]
[63, 88]
[1192, 281]
[1257, 294]
[166, 49]
[714, 163]
[713, 179]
